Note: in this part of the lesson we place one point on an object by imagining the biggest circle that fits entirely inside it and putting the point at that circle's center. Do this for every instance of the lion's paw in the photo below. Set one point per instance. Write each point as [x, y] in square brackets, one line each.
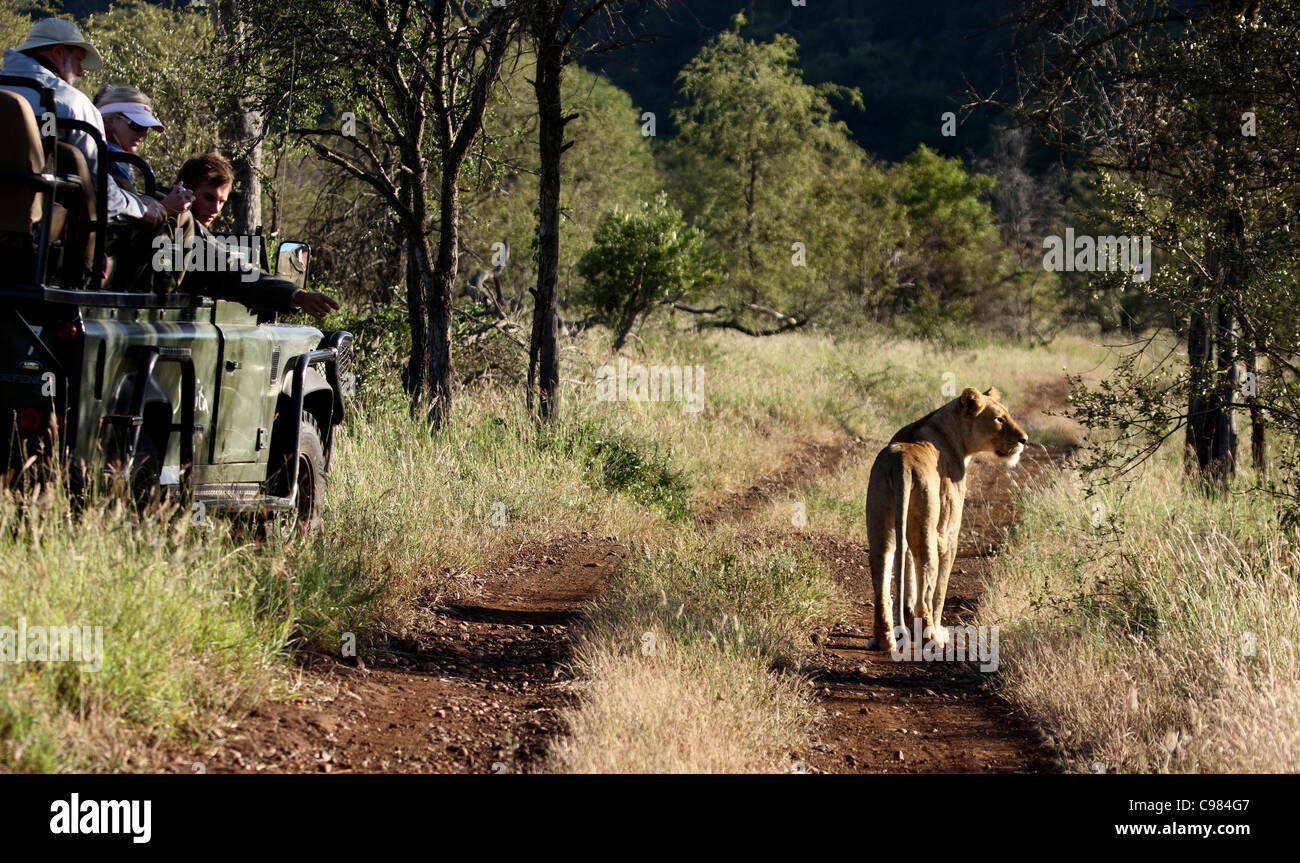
[886, 644]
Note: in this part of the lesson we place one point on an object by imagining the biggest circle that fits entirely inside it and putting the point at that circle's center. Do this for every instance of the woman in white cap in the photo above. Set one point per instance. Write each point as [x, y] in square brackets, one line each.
[128, 117]
[54, 55]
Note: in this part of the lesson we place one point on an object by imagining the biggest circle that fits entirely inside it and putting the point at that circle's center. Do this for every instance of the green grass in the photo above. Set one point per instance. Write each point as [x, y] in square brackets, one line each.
[186, 632]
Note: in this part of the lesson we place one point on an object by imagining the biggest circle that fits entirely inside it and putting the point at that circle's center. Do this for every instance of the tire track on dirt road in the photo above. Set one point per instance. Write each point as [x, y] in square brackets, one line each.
[481, 689]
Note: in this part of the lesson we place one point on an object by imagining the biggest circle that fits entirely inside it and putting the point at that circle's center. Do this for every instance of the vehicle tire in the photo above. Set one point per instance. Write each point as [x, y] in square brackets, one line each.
[146, 474]
[311, 477]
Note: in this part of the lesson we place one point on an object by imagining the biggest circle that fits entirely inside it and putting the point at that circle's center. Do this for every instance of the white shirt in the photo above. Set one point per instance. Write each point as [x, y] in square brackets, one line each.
[71, 103]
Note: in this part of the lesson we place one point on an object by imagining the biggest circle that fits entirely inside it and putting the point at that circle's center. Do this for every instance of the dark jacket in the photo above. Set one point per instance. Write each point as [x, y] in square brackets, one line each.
[120, 171]
[235, 280]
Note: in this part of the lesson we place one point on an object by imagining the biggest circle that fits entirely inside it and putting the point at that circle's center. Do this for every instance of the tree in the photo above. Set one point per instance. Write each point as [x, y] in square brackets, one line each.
[754, 150]
[242, 124]
[409, 83]
[950, 253]
[611, 165]
[1190, 113]
[168, 55]
[644, 259]
[560, 36]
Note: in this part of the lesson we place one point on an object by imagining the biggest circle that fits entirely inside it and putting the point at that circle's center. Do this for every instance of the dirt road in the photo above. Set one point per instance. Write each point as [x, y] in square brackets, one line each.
[480, 691]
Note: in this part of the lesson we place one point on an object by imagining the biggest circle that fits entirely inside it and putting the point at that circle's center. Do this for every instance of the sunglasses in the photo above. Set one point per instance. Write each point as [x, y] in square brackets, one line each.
[134, 127]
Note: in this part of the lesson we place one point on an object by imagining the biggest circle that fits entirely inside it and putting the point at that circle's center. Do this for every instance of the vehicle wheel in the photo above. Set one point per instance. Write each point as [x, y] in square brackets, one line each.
[305, 515]
[146, 474]
[311, 477]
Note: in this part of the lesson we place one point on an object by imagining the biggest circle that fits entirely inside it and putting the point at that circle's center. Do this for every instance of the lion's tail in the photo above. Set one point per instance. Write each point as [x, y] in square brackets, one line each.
[902, 496]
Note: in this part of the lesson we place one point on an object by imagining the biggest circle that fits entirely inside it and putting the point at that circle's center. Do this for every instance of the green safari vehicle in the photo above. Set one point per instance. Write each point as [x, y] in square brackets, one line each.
[178, 395]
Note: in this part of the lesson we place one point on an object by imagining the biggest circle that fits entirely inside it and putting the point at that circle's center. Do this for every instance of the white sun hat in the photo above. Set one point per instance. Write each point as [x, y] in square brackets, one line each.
[135, 112]
[61, 31]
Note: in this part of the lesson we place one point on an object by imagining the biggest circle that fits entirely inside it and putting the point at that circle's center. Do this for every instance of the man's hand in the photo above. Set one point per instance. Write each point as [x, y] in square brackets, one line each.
[315, 304]
[177, 200]
[153, 210]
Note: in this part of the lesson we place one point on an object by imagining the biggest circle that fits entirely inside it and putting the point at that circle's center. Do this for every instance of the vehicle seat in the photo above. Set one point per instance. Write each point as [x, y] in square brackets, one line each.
[79, 238]
[20, 153]
[22, 158]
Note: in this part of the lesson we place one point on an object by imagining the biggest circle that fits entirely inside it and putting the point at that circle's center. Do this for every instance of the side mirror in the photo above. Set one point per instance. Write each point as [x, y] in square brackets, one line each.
[293, 262]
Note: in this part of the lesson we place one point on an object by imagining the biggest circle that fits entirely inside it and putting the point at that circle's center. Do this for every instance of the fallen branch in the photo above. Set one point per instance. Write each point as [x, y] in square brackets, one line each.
[791, 324]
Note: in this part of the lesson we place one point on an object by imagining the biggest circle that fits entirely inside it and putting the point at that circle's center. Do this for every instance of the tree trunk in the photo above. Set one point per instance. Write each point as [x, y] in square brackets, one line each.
[1201, 422]
[243, 132]
[1223, 451]
[243, 129]
[543, 352]
[1199, 426]
[419, 272]
[631, 310]
[438, 290]
[1258, 447]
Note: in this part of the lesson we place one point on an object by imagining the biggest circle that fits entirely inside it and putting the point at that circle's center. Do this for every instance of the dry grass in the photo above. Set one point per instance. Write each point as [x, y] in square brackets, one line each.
[1032, 383]
[689, 660]
[199, 623]
[1164, 640]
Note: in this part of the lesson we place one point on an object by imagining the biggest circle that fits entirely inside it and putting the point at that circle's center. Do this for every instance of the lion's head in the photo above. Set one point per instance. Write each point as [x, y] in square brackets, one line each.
[990, 427]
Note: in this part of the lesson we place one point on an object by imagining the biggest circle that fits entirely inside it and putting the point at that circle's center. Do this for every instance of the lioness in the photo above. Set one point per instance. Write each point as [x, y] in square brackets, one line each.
[922, 474]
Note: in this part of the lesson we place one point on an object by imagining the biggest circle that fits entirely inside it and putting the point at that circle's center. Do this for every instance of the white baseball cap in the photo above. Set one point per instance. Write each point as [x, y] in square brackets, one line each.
[133, 111]
[61, 31]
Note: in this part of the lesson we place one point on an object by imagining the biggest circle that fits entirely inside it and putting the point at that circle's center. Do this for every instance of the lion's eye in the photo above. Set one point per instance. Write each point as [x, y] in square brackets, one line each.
[998, 420]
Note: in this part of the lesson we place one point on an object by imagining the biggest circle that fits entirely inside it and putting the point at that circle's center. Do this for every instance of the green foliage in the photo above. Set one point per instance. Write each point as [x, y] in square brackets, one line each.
[644, 258]
[756, 158]
[16, 18]
[382, 335]
[169, 56]
[609, 165]
[621, 463]
[950, 251]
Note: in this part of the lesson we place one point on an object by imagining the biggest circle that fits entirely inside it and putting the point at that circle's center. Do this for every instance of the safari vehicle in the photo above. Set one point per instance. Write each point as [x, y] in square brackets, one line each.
[174, 394]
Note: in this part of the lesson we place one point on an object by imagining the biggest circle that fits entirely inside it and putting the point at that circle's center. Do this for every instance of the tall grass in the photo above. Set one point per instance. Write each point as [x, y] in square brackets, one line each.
[1163, 639]
[199, 624]
[186, 636]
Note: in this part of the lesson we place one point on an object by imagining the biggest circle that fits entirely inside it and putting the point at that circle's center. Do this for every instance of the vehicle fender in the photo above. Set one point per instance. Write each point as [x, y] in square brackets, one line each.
[119, 397]
[158, 407]
[318, 400]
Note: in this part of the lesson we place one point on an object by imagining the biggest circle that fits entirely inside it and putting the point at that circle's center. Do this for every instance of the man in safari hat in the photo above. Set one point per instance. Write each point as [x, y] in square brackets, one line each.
[54, 56]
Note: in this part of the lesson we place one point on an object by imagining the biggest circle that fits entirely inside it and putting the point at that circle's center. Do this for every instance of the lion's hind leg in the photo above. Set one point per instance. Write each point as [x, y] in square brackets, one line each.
[881, 547]
[881, 553]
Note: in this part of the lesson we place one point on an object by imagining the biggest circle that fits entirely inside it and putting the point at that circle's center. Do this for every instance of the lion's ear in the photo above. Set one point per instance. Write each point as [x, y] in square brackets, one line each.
[971, 400]
[992, 392]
